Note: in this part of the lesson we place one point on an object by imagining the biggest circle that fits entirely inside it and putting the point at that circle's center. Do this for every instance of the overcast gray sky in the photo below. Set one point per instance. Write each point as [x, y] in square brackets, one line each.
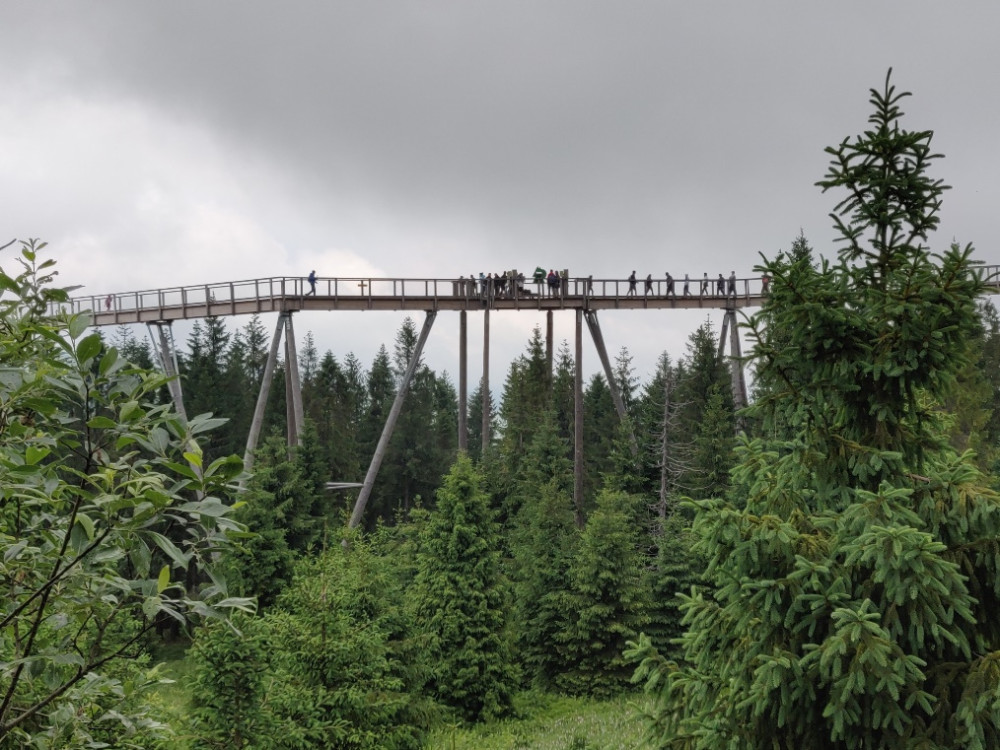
[156, 144]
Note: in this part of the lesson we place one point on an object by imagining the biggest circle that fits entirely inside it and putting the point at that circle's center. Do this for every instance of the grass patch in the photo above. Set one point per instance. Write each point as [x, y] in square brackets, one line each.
[552, 723]
[172, 698]
[544, 721]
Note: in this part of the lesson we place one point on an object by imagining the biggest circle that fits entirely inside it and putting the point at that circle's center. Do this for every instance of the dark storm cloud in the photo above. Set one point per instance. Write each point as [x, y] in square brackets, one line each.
[443, 138]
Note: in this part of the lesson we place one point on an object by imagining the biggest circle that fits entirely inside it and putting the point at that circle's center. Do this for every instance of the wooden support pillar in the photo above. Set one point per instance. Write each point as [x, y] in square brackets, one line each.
[602, 352]
[722, 336]
[736, 367]
[578, 424]
[390, 422]
[168, 359]
[463, 382]
[548, 342]
[665, 507]
[292, 377]
[486, 382]
[163, 340]
[262, 396]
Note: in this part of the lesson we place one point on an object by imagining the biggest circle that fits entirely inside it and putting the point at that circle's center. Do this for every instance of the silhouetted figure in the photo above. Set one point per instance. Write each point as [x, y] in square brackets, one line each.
[312, 282]
[721, 286]
[705, 284]
[670, 285]
[649, 283]
[732, 283]
[631, 284]
[687, 286]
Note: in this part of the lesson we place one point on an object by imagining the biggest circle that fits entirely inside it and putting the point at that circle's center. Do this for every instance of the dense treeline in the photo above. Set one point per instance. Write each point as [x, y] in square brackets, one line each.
[820, 570]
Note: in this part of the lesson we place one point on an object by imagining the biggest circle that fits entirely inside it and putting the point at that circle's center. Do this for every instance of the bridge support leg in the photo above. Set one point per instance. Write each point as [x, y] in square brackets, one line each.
[548, 342]
[463, 382]
[293, 386]
[167, 350]
[739, 383]
[736, 367]
[265, 390]
[163, 341]
[486, 382]
[602, 352]
[578, 424]
[390, 423]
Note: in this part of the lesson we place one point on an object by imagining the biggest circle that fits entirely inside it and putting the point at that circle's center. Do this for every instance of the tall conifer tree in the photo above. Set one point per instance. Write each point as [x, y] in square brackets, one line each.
[854, 595]
[459, 595]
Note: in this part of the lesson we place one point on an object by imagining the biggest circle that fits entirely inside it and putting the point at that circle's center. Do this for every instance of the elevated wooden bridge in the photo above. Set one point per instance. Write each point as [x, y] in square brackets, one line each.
[286, 295]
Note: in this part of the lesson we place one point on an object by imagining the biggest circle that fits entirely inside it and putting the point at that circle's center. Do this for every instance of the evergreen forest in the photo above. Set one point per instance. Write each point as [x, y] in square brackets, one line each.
[817, 570]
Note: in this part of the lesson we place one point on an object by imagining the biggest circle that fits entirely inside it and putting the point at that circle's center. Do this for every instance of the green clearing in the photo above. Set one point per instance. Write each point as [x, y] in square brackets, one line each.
[544, 721]
[553, 723]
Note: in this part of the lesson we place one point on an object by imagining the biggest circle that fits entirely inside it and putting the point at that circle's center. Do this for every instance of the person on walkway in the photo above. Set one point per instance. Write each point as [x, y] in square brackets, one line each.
[765, 284]
[539, 278]
[687, 286]
[732, 283]
[704, 284]
[721, 286]
[107, 302]
[553, 281]
[631, 284]
[312, 282]
[670, 285]
[649, 284]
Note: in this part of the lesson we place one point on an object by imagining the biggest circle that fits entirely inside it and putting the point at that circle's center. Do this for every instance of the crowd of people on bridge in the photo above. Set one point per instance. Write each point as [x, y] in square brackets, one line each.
[512, 285]
[553, 283]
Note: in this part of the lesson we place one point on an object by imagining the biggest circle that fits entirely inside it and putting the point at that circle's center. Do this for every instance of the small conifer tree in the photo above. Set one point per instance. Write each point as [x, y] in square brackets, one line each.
[459, 596]
[608, 599]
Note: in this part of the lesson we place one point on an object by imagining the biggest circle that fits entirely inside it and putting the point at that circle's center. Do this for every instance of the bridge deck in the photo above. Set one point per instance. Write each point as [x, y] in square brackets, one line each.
[293, 294]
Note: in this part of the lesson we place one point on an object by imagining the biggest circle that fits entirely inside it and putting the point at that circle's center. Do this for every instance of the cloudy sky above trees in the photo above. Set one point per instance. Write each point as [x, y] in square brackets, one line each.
[158, 144]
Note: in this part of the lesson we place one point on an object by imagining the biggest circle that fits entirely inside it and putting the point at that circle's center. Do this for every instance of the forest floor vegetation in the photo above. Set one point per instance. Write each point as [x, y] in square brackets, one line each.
[543, 721]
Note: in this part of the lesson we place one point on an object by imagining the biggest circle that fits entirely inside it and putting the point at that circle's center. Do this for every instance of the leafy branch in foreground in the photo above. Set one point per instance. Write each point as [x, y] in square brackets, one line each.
[108, 520]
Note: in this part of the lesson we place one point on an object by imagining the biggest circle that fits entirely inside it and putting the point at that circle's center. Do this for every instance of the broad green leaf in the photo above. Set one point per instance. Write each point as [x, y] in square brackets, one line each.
[108, 360]
[78, 324]
[150, 606]
[6, 282]
[88, 525]
[102, 423]
[163, 581]
[171, 550]
[129, 410]
[89, 347]
[36, 453]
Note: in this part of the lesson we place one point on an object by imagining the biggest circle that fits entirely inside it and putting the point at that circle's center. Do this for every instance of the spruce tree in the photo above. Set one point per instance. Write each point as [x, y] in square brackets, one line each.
[608, 600]
[854, 595]
[459, 599]
[543, 546]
